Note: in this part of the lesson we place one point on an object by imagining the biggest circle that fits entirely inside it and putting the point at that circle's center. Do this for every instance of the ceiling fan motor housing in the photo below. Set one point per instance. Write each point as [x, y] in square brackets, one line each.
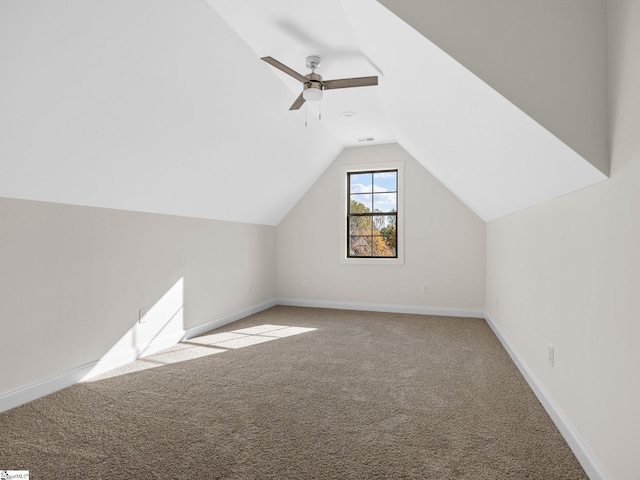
[313, 88]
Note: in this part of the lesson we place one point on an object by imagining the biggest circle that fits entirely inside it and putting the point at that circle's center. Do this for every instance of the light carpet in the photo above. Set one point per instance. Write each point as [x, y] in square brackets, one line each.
[307, 394]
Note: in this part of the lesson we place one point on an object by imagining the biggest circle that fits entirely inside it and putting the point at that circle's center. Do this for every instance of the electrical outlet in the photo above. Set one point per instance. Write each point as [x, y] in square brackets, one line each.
[551, 354]
[425, 288]
[142, 313]
[305, 283]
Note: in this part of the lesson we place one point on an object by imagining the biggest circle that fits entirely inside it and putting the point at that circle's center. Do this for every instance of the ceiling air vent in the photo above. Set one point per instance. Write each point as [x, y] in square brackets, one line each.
[365, 139]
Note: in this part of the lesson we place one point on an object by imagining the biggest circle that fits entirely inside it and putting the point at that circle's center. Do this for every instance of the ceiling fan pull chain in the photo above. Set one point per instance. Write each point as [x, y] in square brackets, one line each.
[320, 109]
[306, 114]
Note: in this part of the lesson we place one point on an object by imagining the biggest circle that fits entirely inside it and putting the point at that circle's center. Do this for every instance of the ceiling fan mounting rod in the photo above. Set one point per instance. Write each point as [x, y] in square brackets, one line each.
[313, 62]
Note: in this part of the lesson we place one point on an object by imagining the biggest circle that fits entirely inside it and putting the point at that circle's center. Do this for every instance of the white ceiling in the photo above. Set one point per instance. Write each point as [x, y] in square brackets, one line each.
[147, 105]
[164, 106]
[289, 31]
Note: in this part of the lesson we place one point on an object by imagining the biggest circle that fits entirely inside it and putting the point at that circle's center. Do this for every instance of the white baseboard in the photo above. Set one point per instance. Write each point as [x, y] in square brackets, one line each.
[381, 307]
[580, 449]
[119, 359]
[587, 460]
[31, 392]
[114, 361]
[221, 322]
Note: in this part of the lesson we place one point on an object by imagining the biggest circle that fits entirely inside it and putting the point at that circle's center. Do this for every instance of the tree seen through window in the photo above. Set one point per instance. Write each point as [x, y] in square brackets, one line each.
[372, 214]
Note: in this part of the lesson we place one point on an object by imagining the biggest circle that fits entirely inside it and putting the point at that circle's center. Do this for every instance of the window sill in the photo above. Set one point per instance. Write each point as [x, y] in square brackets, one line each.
[371, 261]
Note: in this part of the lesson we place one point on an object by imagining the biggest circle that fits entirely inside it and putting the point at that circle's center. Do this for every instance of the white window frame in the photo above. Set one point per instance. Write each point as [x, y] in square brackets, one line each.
[367, 167]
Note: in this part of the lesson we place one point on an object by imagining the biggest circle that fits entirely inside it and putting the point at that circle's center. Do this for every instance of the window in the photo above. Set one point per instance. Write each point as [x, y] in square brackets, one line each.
[376, 236]
[372, 214]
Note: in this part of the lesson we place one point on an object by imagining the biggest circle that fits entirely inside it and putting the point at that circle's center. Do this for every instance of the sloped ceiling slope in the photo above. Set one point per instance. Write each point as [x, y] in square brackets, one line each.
[488, 152]
[165, 106]
[547, 57]
[147, 105]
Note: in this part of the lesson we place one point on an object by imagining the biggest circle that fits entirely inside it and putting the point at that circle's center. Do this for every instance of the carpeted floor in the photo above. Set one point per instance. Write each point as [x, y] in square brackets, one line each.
[308, 394]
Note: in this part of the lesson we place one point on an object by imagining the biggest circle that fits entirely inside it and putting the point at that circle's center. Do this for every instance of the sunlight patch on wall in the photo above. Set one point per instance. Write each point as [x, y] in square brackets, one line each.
[162, 325]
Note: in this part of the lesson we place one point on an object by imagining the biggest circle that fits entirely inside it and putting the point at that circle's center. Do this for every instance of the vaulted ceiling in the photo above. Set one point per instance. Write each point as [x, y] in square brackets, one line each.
[164, 106]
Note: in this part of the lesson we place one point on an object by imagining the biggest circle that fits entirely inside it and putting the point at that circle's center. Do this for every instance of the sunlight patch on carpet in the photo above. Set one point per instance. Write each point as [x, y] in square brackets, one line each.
[205, 345]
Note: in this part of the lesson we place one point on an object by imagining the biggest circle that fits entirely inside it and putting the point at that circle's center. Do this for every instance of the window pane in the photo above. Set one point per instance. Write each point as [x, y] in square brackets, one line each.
[385, 182]
[360, 226]
[361, 203]
[384, 247]
[361, 182]
[384, 202]
[384, 225]
[360, 246]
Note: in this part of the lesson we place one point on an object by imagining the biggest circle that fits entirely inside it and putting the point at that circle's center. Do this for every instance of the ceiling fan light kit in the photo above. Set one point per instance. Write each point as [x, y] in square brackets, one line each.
[312, 84]
[312, 94]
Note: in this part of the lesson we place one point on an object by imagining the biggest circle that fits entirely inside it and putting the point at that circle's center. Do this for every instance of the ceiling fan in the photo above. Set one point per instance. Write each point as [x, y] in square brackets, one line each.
[313, 85]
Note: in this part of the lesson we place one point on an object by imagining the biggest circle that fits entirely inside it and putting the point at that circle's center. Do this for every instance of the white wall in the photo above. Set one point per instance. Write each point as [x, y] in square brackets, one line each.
[567, 273]
[444, 242]
[72, 280]
[547, 57]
